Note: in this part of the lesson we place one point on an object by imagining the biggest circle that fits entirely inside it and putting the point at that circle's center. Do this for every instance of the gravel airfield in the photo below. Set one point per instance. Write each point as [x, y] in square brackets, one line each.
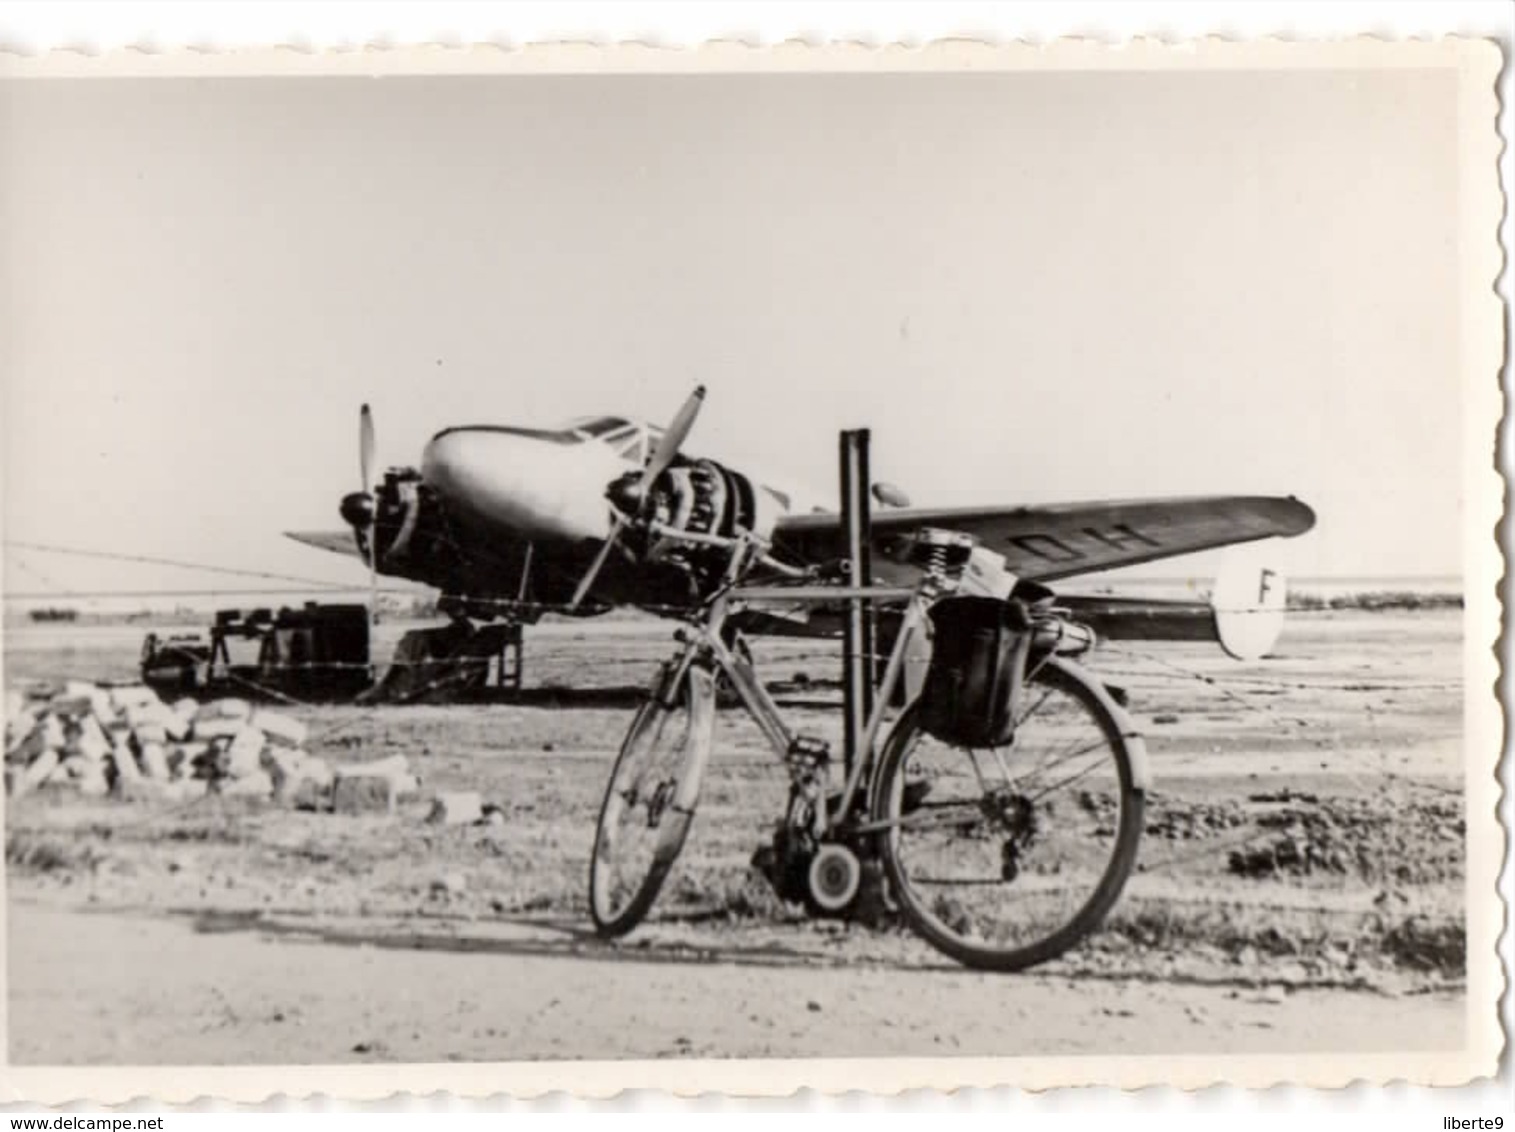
[1300, 884]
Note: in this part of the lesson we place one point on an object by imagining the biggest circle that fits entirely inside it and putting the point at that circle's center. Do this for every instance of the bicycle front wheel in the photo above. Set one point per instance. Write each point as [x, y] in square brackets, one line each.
[650, 801]
[1005, 858]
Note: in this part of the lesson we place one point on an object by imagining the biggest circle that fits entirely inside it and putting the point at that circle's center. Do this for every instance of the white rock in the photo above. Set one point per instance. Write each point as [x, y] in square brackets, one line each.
[258, 784]
[394, 765]
[93, 747]
[183, 757]
[154, 762]
[153, 732]
[175, 726]
[146, 723]
[130, 695]
[60, 776]
[69, 707]
[280, 729]
[188, 789]
[49, 733]
[138, 714]
[230, 708]
[462, 807]
[38, 770]
[396, 768]
[363, 793]
[140, 789]
[125, 762]
[243, 756]
[283, 766]
[217, 727]
[18, 730]
[105, 711]
[88, 740]
[314, 768]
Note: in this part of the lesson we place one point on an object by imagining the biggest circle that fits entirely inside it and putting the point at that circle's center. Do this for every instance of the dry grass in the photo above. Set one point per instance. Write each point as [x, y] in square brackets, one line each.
[546, 767]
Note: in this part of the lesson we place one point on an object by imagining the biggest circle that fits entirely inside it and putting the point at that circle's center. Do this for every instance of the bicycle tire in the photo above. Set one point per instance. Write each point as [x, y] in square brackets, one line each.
[1060, 675]
[694, 698]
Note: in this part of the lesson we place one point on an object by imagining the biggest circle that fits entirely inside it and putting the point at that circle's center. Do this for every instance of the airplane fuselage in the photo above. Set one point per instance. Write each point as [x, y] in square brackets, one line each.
[523, 483]
[510, 513]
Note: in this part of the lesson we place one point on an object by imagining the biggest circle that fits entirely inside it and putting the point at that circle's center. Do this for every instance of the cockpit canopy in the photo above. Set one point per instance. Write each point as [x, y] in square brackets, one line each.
[631, 439]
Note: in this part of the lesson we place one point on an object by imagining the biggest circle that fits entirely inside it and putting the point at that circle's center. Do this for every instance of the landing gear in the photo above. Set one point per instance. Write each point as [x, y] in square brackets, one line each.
[460, 659]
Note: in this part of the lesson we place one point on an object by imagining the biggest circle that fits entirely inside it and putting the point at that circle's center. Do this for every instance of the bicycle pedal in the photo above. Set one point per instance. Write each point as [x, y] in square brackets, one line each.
[809, 751]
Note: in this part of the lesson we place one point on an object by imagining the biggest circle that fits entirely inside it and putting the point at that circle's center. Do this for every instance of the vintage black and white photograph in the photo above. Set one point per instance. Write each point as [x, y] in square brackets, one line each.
[984, 556]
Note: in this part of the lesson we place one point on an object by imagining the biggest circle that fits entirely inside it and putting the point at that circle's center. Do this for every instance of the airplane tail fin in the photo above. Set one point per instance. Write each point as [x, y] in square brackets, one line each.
[1244, 613]
[1249, 603]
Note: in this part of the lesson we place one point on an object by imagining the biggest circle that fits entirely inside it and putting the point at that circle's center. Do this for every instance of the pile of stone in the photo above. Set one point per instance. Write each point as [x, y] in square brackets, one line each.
[125, 741]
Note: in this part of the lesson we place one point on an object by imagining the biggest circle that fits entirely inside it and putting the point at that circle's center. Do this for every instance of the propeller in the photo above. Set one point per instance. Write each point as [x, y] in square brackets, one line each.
[365, 447]
[635, 495]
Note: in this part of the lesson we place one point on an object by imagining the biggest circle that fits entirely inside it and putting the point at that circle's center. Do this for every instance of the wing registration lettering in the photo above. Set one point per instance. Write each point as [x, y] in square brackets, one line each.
[1046, 543]
[1045, 547]
[1122, 536]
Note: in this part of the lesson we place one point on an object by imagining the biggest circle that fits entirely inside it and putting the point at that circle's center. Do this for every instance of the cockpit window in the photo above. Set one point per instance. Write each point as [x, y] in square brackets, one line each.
[597, 426]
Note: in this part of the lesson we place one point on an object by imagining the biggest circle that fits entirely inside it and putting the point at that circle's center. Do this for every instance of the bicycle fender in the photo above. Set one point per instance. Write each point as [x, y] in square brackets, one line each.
[1136, 743]
[701, 736]
[696, 755]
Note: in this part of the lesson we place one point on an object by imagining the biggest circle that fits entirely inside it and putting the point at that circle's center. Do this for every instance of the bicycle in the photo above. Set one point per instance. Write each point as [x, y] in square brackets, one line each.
[896, 803]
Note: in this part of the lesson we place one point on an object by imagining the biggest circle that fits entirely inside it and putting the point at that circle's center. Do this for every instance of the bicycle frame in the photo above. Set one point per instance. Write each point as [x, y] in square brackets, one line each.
[760, 706]
[828, 841]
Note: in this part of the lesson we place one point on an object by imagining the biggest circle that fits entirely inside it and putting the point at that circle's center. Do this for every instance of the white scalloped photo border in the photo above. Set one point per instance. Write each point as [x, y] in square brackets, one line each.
[1480, 63]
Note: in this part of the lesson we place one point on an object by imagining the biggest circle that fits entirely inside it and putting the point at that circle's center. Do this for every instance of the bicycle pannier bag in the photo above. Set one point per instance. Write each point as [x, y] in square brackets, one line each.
[978, 646]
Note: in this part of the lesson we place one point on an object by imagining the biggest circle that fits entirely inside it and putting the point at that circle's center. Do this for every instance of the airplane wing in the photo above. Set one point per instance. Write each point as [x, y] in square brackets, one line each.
[1045, 543]
[341, 542]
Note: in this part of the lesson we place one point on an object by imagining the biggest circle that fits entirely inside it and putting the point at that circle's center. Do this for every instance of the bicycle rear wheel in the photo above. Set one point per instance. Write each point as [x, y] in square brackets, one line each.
[1003, 859]
[650, 801]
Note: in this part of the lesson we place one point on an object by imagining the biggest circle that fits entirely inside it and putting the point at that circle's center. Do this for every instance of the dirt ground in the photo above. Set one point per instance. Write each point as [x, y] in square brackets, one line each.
[1300, 884]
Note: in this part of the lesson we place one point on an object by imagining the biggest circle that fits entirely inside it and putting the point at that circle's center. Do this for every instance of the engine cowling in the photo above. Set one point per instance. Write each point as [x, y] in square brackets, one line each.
[700, 497]
[409, 527]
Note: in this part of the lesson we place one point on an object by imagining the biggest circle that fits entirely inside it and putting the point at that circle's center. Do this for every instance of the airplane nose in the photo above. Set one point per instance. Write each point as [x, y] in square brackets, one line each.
[534, 486]
[357, 509]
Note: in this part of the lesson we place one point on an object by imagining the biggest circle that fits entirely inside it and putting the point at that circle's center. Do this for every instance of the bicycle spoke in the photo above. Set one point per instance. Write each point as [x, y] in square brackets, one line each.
[641, 826]
[996, 872]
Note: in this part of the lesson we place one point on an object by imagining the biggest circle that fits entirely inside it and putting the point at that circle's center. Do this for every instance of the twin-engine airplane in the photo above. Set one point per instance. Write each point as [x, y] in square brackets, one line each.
[510, 523]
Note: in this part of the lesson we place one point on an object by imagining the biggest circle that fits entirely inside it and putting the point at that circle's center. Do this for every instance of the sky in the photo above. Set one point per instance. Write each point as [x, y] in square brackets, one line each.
[1029, 286]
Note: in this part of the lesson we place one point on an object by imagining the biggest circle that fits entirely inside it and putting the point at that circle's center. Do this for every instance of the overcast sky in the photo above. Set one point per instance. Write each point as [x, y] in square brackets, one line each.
[1030, 287]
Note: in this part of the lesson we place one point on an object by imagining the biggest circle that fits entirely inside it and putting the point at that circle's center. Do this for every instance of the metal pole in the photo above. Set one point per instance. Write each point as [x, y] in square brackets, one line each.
[857, 633]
